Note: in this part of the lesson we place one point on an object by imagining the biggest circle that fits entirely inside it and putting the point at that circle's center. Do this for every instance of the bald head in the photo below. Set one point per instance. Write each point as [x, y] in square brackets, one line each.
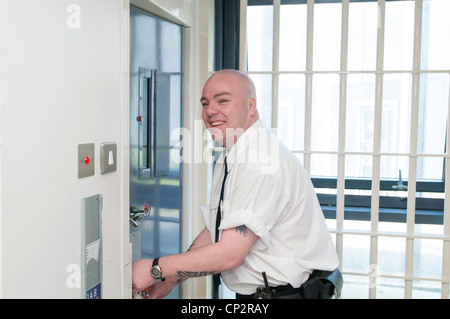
[229, 103]
[242, 79]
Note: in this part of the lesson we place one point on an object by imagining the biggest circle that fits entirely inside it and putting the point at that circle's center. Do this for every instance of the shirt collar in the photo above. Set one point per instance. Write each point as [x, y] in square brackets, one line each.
[238, 150]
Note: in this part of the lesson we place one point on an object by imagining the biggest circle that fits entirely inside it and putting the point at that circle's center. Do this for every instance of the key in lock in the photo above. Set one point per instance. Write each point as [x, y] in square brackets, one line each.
[136, 213]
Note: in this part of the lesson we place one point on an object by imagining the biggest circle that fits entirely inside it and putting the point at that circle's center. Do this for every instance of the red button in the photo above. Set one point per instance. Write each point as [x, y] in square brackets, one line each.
[87, 160]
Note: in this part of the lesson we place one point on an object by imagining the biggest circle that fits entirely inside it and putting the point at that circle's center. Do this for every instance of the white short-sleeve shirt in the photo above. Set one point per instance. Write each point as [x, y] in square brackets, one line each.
[269, 192]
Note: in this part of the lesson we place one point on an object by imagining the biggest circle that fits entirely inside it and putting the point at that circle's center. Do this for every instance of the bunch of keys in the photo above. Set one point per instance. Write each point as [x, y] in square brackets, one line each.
[143, 294]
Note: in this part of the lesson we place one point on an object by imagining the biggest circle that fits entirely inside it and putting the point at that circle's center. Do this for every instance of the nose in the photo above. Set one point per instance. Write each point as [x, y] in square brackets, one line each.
[212, 109]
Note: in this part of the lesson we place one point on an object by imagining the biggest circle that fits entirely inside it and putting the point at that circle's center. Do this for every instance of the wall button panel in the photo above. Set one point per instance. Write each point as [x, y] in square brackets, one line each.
[86, 163]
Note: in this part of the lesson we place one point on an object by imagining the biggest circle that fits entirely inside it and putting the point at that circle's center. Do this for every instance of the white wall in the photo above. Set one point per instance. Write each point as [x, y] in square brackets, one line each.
[61, 84]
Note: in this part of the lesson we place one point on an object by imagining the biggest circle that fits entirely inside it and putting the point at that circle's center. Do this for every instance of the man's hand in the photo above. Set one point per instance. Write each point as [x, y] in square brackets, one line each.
[161, 289]
[141, 275]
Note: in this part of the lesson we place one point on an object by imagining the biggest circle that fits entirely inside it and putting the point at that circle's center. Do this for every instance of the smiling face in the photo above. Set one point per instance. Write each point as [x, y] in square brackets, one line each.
[229, 106]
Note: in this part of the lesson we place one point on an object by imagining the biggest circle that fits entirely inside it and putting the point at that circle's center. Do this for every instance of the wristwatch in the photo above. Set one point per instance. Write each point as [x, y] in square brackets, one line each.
[156, 271]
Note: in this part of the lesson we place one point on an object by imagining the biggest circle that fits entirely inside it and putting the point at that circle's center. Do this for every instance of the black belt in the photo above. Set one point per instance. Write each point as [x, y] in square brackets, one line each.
[283, 292]
[320, 285]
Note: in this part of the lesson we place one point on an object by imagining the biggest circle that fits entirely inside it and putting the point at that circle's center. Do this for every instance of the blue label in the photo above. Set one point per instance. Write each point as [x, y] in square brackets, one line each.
[94, 292]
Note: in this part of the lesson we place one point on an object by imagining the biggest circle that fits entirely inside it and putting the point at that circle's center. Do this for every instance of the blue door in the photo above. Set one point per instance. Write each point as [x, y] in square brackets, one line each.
[156, 77]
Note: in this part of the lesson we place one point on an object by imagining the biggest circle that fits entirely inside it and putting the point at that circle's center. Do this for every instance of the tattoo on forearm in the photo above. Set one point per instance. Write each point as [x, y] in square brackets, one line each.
[242, 229]
[192, 274]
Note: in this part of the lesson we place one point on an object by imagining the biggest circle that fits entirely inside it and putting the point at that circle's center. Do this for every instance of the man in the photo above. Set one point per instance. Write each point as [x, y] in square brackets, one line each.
[269, 217]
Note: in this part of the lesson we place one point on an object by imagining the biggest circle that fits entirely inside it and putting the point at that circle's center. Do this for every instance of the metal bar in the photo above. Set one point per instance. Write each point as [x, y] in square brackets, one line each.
[411, 204]
[351, 72]
[375, 201]
[275, 62]
[354, 273]
[391, 234]
[340, 196]
[446, 245]
[366, 184]
[308, 83]
[371, 153]
[243, 36]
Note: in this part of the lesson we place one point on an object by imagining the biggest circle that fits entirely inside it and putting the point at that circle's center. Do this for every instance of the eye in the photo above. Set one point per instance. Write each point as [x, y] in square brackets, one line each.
[221, 101]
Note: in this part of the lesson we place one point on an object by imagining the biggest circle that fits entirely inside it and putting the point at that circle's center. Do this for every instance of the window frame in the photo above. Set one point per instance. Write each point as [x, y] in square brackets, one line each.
[226, 32]
[428, 210]
[372, 232]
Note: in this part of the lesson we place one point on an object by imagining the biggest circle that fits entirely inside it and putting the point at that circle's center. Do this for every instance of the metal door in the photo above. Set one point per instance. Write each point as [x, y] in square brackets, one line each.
[156, 79]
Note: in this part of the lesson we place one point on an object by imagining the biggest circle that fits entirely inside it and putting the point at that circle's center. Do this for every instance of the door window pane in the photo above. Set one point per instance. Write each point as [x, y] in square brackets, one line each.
[291, 110]
[263, 85]
[355, 287]
[260, 38]
[390, 288]
[356, 253]
[398, 35]
[293, 37]
[327, 36]
[360, 112]
[391, 255]
[362, 35]
[435, 28]
[427, 258]
[357, 166]
[391, 165]
[325, 112]
[433, 112]
[395, 122]
[324, 165]
[426, 289]
[430, 168]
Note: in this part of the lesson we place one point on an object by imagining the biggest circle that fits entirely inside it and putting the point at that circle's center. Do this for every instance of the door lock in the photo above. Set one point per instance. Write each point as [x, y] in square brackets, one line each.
[136, 213]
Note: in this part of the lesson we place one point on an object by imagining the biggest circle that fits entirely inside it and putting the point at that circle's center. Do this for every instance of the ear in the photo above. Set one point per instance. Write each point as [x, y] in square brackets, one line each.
[252, 106]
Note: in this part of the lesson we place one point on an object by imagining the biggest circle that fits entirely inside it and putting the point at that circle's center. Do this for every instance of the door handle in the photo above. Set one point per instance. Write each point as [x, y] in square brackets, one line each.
[400, 186]
[153, 123]
[145, 119]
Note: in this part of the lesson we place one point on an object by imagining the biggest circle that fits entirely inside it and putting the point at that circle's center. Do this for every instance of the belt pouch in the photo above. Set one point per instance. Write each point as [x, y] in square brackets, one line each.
[311, 288]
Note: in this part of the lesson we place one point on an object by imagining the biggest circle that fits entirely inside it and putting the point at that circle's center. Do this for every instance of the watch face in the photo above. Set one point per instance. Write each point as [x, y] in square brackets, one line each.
[156, 271]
